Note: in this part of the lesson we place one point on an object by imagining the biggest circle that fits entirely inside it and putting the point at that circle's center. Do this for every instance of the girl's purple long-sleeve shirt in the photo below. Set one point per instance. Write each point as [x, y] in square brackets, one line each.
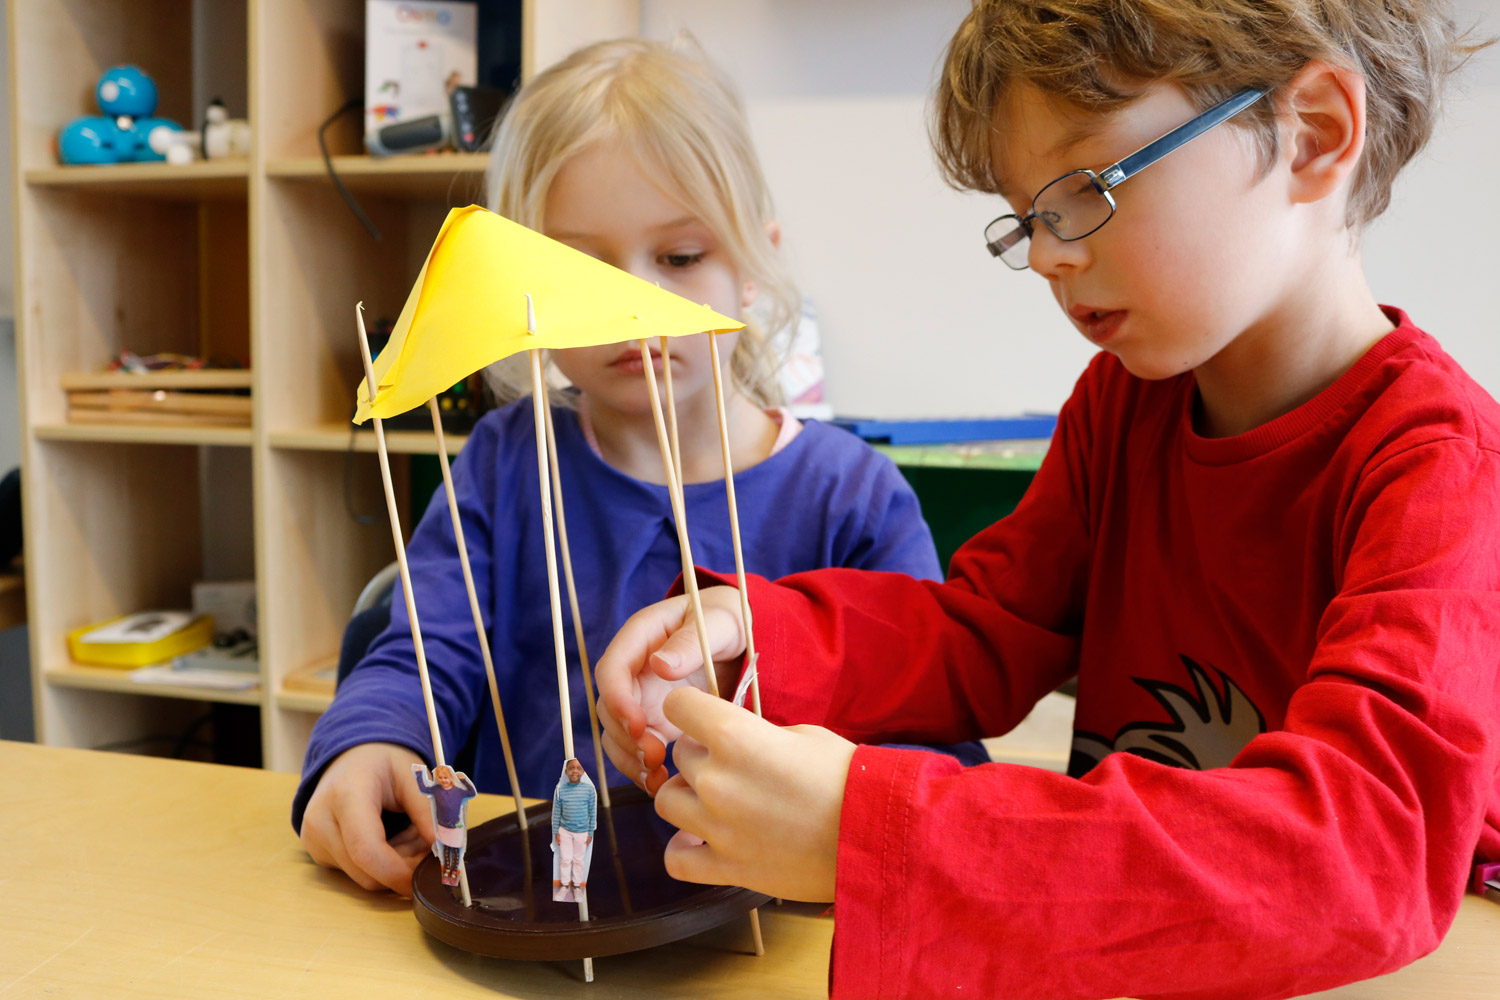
[826, 499]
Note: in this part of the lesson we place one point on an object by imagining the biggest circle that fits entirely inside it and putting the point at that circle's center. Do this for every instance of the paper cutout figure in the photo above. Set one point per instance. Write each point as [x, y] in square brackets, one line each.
[468, 309]
[574, 819]
[450, 794]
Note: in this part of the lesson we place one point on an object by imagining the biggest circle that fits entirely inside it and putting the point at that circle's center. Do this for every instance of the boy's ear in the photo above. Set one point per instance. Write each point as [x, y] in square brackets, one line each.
[1323, 122]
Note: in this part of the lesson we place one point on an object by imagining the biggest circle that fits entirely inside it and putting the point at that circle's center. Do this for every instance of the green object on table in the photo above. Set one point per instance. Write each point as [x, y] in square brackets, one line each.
[965, 488]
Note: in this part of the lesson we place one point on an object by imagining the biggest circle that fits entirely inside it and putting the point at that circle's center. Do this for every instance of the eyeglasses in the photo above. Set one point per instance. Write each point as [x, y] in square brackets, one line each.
[1079, 203]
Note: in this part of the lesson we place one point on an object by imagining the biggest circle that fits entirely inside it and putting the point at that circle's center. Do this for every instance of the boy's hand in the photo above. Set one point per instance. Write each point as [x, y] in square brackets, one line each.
[755, 805]
[341, 827]
[656, 651]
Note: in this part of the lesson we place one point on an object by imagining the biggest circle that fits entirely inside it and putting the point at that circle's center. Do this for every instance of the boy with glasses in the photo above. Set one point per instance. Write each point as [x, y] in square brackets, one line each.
[1266, 540]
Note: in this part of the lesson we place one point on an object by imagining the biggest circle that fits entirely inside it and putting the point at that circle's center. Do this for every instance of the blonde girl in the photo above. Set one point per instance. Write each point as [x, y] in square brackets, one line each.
[637, 153]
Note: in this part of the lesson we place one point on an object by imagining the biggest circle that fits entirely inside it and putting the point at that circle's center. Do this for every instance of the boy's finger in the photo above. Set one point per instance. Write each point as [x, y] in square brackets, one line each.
[689, 859]
[711, 721]
[680, 656]
[625, 761]
[626, 656]
[678, 804]
[689, 755]
[655, 779]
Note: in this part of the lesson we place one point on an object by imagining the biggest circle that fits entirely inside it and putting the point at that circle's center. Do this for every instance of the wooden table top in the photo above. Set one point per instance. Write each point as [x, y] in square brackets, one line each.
[138, 877]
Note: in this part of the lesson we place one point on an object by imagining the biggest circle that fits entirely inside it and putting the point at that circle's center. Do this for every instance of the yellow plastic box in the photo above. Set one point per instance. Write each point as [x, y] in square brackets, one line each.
[194, 634]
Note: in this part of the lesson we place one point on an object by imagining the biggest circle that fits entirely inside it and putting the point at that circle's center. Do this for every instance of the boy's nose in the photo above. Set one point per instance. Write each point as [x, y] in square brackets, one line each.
[1049, 256]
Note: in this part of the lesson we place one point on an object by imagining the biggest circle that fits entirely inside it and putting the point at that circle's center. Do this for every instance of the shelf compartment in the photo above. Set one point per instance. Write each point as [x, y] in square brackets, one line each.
[456, 177]
[209, 179]
[233, 437]
[206, 378]
[335, 437]
[75, 675]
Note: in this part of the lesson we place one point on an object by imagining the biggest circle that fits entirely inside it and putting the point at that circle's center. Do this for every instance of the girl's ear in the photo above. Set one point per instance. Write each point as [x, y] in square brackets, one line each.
[750, 292]
[1323, 127]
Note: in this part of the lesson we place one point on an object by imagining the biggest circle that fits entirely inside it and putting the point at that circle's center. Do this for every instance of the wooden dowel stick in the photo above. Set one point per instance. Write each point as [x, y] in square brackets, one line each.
[739, 568]
[567, 565]
[583, 915]
[734, 523]
[679, 513]
[671, 404]
[539, 418]
[666, 382]
[390, 506]
[479, 631]
[539, 407]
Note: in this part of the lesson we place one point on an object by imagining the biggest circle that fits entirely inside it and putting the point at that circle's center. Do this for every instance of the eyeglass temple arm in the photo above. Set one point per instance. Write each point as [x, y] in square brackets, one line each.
[1148, 154]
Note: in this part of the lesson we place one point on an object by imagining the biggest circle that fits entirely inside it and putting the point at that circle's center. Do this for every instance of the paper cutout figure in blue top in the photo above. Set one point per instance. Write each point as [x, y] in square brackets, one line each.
[573, 822]
[450, 794]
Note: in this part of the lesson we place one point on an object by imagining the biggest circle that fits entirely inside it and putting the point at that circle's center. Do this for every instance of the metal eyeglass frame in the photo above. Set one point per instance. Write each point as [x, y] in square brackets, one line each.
[1113, 176]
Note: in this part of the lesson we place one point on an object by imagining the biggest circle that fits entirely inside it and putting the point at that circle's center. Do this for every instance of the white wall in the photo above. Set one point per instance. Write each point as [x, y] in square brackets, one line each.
[836, 93]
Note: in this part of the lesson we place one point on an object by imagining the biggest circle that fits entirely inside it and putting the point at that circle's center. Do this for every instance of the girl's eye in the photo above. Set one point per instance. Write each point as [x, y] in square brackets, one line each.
[677, 261]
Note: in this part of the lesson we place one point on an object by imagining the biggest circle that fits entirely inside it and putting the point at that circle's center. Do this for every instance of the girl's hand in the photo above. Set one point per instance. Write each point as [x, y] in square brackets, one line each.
[755, 805]
[341, 827]
[656, 651]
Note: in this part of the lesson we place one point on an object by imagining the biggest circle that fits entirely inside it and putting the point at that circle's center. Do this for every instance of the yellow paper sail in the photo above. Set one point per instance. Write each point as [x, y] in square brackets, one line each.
[468, 309]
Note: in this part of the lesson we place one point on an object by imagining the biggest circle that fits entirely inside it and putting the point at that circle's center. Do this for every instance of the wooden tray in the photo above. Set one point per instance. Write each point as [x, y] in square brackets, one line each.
[633, 903]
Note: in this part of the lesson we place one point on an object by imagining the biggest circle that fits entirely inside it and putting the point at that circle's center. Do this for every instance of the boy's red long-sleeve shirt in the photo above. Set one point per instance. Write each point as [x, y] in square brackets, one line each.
[1294, 633]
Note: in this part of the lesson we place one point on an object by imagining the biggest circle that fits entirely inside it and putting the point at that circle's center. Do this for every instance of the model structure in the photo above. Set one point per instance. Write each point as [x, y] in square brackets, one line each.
[491, 289]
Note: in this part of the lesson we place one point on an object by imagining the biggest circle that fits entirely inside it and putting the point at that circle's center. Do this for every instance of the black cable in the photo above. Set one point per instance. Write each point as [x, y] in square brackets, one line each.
[359, 213]
[354, 516]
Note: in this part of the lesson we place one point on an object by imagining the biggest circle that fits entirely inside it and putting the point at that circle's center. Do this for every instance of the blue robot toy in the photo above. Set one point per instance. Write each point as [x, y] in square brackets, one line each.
[128, 96]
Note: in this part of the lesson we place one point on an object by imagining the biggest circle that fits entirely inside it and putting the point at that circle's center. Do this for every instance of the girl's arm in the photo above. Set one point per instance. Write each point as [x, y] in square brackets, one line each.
[380, 700]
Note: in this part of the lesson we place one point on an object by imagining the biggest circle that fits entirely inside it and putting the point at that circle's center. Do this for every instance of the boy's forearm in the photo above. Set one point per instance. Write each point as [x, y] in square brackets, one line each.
[881, 657]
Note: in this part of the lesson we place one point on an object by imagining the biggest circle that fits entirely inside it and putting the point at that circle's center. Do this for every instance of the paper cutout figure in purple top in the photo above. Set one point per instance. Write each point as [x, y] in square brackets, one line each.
[450, 794]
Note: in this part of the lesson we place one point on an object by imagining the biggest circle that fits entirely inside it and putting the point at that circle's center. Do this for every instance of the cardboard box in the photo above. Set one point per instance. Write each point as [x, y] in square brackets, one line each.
[415, 52]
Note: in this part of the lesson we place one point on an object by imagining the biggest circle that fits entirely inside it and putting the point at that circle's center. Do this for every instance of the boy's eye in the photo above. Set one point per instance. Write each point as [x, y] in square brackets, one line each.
[680, 260]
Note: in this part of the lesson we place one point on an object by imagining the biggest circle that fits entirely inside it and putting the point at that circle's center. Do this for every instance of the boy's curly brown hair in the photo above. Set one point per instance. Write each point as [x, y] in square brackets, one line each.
[1083, 51]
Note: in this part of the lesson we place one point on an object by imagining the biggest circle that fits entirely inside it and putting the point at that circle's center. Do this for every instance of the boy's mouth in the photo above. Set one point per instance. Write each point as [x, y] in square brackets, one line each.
[1099, 325]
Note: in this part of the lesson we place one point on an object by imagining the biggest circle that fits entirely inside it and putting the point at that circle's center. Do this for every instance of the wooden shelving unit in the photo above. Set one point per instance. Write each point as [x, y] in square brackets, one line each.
[454, 176]
[190, 182]
[119, 681]
[258, 260]
[234, 437]
[334, 437]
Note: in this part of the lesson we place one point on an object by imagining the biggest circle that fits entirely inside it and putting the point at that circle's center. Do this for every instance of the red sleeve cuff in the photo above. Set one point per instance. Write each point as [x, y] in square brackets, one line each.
[870, 905]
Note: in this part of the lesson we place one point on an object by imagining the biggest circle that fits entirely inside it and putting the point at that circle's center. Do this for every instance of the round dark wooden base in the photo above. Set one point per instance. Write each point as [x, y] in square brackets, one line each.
[633, 903]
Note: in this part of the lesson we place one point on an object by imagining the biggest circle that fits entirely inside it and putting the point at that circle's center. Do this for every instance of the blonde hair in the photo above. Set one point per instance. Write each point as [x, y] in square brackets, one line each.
[674, 107]
[1081, 50]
